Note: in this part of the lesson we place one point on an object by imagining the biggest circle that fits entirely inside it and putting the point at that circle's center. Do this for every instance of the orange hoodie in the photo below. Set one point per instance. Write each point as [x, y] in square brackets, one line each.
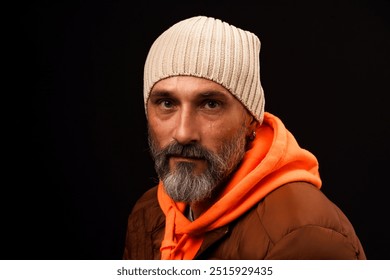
[274, 159]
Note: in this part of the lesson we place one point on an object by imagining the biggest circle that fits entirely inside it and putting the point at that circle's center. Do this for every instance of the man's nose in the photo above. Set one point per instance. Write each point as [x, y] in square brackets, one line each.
[187, 127]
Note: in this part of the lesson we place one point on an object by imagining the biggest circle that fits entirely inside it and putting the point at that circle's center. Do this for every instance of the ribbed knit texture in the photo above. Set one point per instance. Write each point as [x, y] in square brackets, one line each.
[209, 48]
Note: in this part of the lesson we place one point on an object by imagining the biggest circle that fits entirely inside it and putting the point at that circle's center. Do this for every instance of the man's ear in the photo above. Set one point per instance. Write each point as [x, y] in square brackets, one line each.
[251, 126]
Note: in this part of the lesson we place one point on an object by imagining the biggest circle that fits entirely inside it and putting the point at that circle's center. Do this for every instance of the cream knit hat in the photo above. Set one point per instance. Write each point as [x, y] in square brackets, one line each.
[209, 48]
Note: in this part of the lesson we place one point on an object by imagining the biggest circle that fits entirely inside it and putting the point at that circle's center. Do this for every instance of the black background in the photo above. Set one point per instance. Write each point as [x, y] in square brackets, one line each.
[75, 149]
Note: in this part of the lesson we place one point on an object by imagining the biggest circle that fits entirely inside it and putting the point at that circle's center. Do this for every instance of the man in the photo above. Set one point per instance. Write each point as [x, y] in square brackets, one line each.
[234, 183]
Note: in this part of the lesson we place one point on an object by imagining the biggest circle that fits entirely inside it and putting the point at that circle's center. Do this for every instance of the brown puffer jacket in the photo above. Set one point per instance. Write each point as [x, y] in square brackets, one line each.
[295, 221]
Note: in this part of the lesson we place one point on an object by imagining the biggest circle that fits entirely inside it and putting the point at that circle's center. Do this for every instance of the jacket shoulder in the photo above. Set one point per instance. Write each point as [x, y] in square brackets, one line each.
[297, 204]
[146, 212]
[302, 223]
[148, 199]
[145, 228]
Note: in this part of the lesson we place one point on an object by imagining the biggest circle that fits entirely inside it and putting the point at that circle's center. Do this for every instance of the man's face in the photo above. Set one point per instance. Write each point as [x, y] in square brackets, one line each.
[197, 135]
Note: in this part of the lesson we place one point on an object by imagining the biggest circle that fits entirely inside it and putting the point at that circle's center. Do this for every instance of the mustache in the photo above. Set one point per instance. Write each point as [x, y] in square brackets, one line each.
[194, 150]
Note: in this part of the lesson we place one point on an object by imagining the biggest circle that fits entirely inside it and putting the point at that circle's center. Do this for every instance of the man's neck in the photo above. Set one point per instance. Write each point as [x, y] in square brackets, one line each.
[197, 208]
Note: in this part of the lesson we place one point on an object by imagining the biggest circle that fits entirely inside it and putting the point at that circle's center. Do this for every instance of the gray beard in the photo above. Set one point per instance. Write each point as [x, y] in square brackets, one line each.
[182, 184]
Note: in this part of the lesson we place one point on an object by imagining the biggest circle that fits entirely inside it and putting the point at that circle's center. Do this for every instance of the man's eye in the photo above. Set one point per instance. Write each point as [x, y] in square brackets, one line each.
[211, 104]
[166, 103]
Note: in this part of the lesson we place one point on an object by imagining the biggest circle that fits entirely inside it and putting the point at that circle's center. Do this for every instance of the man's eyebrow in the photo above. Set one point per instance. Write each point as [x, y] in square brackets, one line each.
[213, 93]
[160, 93]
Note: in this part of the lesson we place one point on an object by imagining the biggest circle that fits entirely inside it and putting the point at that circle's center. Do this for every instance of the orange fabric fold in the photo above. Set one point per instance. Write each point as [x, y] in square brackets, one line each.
[274, 159]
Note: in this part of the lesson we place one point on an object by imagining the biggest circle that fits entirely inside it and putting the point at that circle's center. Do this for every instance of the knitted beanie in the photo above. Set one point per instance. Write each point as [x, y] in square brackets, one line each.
[209, 48]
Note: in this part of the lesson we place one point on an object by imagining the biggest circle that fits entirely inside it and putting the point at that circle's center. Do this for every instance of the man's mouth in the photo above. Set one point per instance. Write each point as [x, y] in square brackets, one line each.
[183, 158]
